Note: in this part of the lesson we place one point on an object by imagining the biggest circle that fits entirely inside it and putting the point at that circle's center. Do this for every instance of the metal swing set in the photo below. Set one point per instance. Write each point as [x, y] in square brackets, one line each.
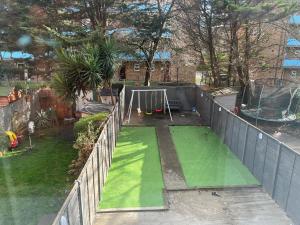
[158, 108]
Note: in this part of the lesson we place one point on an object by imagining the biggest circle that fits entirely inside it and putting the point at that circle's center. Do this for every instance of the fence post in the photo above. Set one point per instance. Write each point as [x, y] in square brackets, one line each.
[288, 195]
[88, 194]
[212, 111]
[98, 168]
[245, 144]
[276, 172]
[224, 125]
[80, 203]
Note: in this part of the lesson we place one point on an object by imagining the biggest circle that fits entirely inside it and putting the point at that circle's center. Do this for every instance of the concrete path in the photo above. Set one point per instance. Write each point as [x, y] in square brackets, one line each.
[172, 172]
[248, 206]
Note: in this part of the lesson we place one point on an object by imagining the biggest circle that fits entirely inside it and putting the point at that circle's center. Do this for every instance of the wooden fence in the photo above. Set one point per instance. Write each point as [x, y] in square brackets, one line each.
[81, 204]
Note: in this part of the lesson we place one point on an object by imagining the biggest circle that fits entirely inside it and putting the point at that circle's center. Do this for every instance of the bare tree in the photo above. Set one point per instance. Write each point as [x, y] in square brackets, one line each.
[150, 22]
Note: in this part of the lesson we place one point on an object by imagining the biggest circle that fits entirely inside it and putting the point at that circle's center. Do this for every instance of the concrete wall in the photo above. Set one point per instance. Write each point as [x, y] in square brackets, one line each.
[18, 113]
[274, 164]
[185, 94]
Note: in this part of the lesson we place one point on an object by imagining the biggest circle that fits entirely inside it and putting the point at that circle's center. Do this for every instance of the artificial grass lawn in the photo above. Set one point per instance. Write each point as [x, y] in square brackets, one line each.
[135, 178]
[34, 183]
[206, 161]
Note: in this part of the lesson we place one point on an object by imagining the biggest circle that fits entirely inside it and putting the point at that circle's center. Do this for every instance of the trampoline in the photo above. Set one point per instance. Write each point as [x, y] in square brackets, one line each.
[273, 100]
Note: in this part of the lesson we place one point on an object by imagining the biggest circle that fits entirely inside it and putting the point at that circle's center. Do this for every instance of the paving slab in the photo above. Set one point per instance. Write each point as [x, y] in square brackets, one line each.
[245, 206]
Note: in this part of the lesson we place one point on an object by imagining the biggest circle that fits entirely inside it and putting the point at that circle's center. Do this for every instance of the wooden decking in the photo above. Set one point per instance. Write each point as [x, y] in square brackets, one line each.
[245, 206]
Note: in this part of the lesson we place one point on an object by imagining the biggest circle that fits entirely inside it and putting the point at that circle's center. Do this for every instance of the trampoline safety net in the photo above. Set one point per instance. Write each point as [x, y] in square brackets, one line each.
[273, 99]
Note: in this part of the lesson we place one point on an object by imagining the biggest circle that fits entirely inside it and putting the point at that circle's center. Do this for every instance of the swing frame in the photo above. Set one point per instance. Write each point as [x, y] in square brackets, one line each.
[165, 101]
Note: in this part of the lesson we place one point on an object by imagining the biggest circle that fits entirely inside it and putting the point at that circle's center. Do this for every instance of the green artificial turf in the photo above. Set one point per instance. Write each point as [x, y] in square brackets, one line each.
[135, 178]
[206, 161]
[34, 184]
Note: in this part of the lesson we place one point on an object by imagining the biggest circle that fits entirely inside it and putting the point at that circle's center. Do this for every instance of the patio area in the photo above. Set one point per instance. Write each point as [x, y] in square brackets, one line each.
[189, 205]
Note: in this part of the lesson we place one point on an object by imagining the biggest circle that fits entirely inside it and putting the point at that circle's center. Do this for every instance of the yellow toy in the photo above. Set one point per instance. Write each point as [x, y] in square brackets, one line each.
[12, 138]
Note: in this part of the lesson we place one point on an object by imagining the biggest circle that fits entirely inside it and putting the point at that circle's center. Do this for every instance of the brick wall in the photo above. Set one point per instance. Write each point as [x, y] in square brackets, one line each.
[163, 72]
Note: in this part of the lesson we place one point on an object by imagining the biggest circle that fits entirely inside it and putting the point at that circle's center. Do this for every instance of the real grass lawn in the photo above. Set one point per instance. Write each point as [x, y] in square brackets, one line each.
[206, 161]
[135, 177]
[34, 183]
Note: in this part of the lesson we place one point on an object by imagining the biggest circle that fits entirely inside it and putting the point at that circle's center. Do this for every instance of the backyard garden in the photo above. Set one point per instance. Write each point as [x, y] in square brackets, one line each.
[35, 182]
[39, 166]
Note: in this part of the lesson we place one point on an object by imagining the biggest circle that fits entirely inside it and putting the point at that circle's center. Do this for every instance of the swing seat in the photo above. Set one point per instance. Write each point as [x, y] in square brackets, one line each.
[148, 113]
[158, 110]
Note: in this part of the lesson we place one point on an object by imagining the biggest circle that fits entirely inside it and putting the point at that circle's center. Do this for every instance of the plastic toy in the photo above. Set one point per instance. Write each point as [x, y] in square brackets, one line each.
[12, 138]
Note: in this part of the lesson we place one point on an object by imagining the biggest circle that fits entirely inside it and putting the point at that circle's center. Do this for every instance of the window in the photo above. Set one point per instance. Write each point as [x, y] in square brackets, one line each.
[20, 65]
[136, 67]
[297, 52]
[293, 73]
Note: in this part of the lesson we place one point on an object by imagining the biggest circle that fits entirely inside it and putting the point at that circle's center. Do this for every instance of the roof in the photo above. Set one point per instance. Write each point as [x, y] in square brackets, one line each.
[292, 42]
[294, 20]
[291, 64]
[158, 56]
[6, 55]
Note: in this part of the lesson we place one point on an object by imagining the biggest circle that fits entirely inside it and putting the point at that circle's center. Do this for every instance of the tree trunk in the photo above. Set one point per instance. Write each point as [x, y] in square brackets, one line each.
[230, 61]
[148, 74]
[73, 108]
[214, 64]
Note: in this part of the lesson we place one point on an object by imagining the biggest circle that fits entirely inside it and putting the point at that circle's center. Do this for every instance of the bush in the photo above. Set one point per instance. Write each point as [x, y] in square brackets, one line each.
[84, 144]
[96, 120]
[30, 86]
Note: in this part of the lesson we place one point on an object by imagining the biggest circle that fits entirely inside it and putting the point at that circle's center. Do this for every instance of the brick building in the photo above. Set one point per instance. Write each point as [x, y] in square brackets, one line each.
[291, 62]
[165, 69]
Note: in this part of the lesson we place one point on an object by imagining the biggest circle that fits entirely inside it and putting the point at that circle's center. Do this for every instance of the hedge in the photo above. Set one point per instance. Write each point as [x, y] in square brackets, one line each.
[82, 124]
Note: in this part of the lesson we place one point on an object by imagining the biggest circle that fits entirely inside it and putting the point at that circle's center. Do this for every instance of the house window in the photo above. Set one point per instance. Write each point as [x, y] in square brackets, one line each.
[297, 52]
[20, 65]
[293, 73]
[136, 67]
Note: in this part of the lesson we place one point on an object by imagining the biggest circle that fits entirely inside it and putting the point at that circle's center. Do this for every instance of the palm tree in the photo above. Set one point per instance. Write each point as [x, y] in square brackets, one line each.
[78, 71]
[85, 68]
[108, 59]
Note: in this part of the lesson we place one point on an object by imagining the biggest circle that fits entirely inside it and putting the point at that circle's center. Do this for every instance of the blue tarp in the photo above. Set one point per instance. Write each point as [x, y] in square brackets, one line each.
[292, 42]
[291, 64]
[295, 20]
[158, 56]
[6, 55]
